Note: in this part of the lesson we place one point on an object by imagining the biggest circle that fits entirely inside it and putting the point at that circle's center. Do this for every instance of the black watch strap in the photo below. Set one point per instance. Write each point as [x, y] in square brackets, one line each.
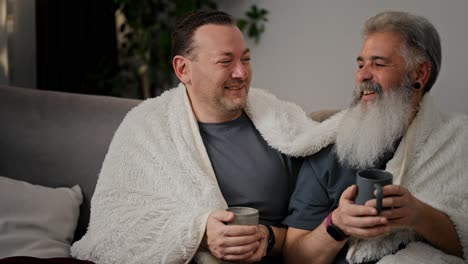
[271, 239]
[334, 231]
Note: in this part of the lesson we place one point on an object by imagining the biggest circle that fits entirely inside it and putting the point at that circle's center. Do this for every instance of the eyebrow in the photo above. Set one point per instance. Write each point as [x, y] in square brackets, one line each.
[229, 54]
[373, 58]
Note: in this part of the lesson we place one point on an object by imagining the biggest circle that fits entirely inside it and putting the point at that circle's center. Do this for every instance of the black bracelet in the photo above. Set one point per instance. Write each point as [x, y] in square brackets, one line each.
[271, 239]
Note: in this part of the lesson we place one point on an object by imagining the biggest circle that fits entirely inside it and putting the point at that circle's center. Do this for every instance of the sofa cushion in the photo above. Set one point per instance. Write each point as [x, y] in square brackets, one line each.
[58, 139]
[37, 221]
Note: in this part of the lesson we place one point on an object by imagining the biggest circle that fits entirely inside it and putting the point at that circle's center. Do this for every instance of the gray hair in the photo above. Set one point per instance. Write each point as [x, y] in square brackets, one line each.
[421, 42]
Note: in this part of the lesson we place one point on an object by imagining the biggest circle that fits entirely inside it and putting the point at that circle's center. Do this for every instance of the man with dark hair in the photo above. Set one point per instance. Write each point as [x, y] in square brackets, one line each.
[393, 125]
[178, 161]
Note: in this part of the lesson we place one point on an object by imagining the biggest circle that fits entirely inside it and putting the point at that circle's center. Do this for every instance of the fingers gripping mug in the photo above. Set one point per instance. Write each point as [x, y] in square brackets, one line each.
[370, 180]
[243, 216]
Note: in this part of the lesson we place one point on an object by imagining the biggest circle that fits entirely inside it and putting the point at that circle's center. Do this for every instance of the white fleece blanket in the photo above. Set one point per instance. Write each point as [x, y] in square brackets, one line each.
[432, 162]
[157, 187]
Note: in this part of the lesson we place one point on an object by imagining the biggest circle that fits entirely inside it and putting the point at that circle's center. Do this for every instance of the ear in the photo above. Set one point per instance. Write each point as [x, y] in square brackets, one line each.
[181, 67]
[422, 73]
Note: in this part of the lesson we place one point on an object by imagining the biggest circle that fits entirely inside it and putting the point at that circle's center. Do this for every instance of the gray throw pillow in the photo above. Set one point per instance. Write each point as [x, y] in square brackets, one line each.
[37, 221]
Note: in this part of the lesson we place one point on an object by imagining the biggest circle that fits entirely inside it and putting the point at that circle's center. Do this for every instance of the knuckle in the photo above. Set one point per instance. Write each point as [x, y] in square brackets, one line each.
[230, 258]
[218, 243]
[221, 251]
[218, 254]
[400, 189]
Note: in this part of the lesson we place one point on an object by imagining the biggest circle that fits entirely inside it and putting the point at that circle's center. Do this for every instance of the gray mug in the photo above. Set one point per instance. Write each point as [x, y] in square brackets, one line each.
[370, 180]
[244, 215]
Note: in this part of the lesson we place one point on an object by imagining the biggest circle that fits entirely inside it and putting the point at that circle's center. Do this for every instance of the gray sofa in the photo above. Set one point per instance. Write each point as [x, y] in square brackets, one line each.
[57, 139]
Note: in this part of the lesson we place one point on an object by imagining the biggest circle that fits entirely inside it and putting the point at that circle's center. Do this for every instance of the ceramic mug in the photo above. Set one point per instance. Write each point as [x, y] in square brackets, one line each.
[244, 215]
[369, 181]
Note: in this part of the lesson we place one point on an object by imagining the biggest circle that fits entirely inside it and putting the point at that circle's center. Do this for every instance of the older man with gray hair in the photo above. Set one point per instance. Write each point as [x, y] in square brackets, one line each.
[392, 124]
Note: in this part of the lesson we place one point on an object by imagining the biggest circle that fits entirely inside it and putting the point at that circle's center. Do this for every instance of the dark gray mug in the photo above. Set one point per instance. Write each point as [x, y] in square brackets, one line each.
[370, 180]
[244, 215]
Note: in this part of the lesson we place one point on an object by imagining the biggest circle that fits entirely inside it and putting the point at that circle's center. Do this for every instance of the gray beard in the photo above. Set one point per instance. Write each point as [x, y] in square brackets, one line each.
[369, 130]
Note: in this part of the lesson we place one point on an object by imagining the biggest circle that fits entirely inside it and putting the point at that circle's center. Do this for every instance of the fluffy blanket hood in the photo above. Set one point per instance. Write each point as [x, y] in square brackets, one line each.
[157, 186]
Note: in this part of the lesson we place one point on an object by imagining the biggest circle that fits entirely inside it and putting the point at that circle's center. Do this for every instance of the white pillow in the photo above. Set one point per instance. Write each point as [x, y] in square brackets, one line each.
[37, 221]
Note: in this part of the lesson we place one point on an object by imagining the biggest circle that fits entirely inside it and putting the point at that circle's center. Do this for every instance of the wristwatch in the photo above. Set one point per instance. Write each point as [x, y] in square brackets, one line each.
[333, 230]
[271, 239]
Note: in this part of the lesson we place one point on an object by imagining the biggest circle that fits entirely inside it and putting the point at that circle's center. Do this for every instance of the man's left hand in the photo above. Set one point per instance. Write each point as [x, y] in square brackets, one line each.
[400, 207]
[262, 247]
[403, 209]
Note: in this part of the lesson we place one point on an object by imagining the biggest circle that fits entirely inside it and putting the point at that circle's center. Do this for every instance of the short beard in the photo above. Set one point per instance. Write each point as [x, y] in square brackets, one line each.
[229, 106]
[371, 129]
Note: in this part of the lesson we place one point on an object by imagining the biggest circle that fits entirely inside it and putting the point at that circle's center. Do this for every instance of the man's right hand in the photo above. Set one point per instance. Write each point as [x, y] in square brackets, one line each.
[230, 242]
[358, 220]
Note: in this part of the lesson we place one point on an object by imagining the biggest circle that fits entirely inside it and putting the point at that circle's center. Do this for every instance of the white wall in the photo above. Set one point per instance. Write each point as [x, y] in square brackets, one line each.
[308, 52]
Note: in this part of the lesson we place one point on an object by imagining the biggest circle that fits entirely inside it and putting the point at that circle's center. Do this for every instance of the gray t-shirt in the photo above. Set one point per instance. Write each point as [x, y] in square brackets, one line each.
[249, 172]
[321, 181]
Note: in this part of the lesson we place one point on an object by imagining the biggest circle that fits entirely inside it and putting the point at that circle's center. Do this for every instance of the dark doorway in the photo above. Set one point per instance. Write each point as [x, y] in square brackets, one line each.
[76, 45]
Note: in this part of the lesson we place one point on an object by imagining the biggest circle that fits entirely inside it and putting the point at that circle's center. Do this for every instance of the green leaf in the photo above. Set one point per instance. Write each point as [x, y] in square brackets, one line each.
[253, 31]
[241, 24]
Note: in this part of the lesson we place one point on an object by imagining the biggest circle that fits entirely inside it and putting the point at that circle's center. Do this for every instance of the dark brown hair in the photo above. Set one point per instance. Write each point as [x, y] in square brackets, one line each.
[182, 36]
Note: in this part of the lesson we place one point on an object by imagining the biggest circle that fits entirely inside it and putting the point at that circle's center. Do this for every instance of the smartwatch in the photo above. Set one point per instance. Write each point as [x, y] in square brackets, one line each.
[334, 231]
[271, 239]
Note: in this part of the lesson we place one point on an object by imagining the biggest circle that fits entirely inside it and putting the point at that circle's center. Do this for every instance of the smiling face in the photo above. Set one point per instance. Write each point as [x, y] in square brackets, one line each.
[384, 102]
[218, 73]
[382, 65]
[380, 62]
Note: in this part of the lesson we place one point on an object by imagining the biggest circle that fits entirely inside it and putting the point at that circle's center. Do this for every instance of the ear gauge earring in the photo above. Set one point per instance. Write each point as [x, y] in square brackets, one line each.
[416, 85]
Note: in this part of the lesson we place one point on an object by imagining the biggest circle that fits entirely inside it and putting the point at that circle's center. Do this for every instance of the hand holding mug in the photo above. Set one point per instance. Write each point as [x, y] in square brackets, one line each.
[401, 207]
[230, 242]
[358, 220]
[250, 216]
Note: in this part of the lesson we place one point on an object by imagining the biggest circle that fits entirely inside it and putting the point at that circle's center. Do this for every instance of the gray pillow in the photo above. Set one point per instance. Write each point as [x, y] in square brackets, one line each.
[37, 221]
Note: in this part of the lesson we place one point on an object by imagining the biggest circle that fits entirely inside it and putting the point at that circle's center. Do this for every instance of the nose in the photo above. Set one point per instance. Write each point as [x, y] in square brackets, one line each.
[240, 71]
[364, 74]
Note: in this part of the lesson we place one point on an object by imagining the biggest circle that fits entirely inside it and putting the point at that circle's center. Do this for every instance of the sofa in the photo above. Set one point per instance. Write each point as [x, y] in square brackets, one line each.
[51, 142]
[52, 139]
